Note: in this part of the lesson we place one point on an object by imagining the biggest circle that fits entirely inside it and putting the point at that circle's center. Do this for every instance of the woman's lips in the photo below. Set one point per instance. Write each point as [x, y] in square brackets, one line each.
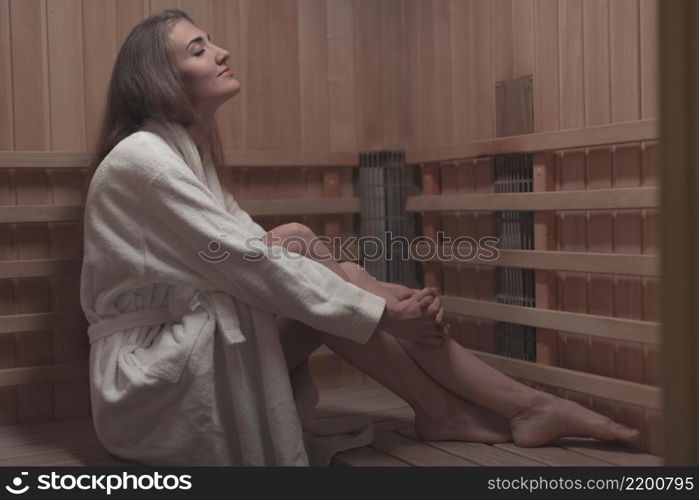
[226, 71]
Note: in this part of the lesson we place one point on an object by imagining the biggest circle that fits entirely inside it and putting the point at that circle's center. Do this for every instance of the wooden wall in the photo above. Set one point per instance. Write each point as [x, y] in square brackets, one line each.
[594, 62]
[346, 75]
[309, 70]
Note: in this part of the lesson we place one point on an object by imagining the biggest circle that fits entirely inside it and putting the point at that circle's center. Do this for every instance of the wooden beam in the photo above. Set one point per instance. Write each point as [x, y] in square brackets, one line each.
[618, 133]
[596, 199]
[34, 322]
[607, 263]
[596, 385]
[291, 159]
[39, 268]
[43, 374]
[598, 326]
[74, 159]
[679, 74]
[301, 206]
[40, 213]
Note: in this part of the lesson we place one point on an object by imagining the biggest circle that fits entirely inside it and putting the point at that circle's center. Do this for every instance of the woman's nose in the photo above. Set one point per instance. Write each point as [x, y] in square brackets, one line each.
[222, 56]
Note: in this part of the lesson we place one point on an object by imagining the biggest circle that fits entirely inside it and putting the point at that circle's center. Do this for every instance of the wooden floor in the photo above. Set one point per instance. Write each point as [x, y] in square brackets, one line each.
[75, 442]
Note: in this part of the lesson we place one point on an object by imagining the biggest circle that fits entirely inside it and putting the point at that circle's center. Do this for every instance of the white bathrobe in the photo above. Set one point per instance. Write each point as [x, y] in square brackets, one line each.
[186, 367]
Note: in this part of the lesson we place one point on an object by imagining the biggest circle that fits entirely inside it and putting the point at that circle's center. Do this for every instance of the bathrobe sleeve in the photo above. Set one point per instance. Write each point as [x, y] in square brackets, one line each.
[182, 222]
[234, 209]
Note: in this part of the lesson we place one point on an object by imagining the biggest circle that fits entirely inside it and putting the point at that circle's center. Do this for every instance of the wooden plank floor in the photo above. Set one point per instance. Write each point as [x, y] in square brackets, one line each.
[75, 442]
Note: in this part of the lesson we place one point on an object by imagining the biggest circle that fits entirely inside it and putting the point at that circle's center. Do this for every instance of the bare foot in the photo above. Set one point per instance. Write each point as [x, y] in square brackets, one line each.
[465, 421]
[550, 418]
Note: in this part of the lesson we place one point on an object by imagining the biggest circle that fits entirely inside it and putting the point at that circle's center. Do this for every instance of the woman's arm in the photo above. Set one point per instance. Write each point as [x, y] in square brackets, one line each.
[183, 220]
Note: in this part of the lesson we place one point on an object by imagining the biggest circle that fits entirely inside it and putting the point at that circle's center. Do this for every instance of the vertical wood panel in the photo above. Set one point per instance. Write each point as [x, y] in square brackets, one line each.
[625, 67]
[628, 239]
[128, 14]
[67, 91]
[575, 352]
[480, 52]
[571, 64]
[367, 62]
[600, 231]
[431, 222]
[598, 105]
[341, 75]
[283, 112]
[313, 63]
[30, 76]
[8, 251]
[99, 49]
[6, 119]
[649, 59]
[32, 132]
[393, 74]
[463, 97]
[435, 62]
[451, 226]
[545, 239]
[651, 295]
[66, 76]
[467, 328]
[227, 31]
[258, 92]
[547, 112]
[485, 275]
[201, 13]
[502, 39]
[414, 79]
[156, 6]
[523, 13]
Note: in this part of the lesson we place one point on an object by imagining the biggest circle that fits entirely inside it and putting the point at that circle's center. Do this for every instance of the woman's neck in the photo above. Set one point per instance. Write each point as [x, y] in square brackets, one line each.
[199, 130]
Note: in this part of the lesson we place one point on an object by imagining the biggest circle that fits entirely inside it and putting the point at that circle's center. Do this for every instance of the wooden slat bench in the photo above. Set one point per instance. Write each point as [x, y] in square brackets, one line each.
[74, 442]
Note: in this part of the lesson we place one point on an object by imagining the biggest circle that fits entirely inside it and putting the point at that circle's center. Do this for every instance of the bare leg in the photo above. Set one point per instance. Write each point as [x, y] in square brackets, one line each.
[439, 414]
[536, 417]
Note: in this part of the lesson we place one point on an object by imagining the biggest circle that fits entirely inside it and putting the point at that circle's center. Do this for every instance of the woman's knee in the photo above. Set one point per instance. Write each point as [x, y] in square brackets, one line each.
[294, 236]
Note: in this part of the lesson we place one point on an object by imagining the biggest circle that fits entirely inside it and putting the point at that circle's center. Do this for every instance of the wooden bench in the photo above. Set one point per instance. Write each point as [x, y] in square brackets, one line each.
[75, 443]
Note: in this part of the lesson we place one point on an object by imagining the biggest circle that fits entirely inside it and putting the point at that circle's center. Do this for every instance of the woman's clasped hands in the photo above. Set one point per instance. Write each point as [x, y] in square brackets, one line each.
[417, 316]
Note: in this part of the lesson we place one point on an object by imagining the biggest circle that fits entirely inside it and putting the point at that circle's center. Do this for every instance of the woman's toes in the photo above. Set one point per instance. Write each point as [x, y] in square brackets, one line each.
[624, 433]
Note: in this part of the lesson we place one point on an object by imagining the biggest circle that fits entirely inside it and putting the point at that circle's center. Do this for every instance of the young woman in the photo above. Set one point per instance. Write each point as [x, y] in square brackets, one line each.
[200, 359]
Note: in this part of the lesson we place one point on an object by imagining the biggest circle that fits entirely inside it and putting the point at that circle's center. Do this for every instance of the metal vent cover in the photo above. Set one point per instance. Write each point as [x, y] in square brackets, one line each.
[515, 230]
[384, 184]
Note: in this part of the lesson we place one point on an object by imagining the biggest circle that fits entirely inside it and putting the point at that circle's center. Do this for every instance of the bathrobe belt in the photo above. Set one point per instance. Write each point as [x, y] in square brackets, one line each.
[220, 304]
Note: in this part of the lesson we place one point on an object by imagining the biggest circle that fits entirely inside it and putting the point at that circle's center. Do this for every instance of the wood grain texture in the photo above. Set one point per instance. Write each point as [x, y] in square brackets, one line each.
[7, 138]
[625, 60]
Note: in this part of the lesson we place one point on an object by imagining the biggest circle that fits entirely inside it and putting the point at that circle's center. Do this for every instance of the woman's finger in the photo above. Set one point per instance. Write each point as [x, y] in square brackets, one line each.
[426, 301]
[440, 316]
[434, 307]
[425, 292]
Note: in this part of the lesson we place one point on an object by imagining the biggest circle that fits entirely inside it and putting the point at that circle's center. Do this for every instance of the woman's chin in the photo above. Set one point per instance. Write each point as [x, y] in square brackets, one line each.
[234, 91]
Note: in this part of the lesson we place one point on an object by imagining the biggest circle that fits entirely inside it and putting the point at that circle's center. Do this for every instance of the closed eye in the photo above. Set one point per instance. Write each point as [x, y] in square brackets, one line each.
[199, 53]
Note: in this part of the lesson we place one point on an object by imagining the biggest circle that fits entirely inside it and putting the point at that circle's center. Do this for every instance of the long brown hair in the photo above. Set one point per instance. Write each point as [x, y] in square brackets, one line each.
[145, 84]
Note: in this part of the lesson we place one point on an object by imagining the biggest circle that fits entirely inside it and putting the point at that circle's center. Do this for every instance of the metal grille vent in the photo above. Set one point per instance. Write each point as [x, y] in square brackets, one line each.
[513, 174]
[384, 184]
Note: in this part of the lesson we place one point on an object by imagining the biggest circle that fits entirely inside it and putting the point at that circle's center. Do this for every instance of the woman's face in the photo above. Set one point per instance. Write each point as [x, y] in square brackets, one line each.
[207, 79]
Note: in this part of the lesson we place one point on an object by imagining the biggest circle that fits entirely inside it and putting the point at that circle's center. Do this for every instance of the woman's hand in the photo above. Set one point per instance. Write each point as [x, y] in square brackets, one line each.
[403, 292]
[417, 317]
